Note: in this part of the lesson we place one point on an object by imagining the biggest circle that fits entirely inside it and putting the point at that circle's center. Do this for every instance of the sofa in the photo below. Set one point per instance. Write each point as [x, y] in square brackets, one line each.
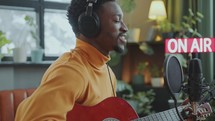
[9, 101]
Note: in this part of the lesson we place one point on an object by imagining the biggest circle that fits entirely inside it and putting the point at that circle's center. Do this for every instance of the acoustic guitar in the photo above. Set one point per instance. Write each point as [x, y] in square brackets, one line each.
[117, 109]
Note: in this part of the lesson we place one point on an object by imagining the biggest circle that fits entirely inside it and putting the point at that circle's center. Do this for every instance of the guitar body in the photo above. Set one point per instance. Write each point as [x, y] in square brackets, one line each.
[117, 109]
[110, 108]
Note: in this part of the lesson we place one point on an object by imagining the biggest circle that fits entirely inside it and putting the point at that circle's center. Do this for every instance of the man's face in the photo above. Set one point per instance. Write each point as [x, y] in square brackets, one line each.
[113, 30]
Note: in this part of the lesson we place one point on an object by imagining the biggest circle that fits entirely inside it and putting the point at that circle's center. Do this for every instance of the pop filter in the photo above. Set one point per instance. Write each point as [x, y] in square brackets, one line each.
[173, 74]
[173, 77]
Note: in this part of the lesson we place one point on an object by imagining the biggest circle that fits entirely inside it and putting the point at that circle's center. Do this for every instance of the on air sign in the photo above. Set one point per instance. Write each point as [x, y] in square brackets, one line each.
[189, 45]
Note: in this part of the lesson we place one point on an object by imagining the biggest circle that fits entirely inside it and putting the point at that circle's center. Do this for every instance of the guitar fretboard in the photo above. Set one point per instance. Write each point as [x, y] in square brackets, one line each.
[168, 115]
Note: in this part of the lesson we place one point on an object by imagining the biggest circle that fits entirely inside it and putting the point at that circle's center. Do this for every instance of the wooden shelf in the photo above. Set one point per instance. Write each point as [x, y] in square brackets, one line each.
[135, 55]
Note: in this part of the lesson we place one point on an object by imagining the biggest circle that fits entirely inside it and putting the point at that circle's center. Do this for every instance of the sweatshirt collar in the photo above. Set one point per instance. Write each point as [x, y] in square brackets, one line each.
[93, 56]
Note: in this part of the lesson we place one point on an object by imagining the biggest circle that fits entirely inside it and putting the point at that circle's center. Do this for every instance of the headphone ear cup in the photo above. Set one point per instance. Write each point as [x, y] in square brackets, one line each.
[89, 25]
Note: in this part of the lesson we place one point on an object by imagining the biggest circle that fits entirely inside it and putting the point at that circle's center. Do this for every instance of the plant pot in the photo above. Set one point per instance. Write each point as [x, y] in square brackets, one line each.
[138, 80]
[134, 35]
[19, 55]
[37, 55]
[1, 56]
[157, 81]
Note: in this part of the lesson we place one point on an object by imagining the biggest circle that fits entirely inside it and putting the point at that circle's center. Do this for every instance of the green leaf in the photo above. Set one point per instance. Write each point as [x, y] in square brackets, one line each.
[200, 15]
[3, 39]
[127, 5]
[198, 19]
[185, 18]
[193, 22]
[191, 12]
[190, 30]
[189, 24]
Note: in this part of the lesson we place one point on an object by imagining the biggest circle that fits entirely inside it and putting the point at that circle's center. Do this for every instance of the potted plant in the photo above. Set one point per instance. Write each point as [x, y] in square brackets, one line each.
[21, 46]
[140, 101]
[37, 51]
[167, 29]
[188, 29]
[139, 77]
[156, 76]
[3, 42]
[189, 25]
[146, 48]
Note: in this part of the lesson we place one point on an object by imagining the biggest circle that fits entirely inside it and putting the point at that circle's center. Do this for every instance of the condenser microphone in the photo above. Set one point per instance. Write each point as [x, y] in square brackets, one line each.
[195, 81]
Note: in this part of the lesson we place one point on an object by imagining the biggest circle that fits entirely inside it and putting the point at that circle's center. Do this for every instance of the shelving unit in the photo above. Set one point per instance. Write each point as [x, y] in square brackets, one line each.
[135, 55]
[129, 68]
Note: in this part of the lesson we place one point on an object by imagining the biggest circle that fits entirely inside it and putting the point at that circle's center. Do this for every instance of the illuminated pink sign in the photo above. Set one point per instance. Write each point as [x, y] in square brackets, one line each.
[190, 45]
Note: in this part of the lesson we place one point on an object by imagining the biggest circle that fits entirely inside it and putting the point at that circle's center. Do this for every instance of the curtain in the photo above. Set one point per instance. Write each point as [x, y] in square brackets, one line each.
[206, 29]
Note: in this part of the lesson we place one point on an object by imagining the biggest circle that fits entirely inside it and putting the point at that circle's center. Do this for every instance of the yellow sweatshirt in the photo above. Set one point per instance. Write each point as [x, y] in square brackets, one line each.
[80, 76]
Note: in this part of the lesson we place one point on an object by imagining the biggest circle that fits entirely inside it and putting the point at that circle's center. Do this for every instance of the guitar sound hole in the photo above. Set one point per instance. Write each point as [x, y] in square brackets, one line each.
[110, 119]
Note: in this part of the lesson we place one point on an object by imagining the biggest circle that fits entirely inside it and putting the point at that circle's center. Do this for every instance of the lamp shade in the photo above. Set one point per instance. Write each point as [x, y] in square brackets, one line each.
[157, 10]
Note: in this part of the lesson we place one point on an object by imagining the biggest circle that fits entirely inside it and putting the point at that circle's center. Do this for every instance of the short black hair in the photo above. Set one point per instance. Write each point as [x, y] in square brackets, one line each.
[76, 8]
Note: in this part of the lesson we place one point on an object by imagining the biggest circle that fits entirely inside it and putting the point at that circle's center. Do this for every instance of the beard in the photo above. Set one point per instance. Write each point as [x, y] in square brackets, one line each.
[119, 49]
[121, 46]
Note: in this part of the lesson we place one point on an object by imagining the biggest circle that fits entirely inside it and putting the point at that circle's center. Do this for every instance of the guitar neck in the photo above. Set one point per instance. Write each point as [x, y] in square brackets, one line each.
[168, 115]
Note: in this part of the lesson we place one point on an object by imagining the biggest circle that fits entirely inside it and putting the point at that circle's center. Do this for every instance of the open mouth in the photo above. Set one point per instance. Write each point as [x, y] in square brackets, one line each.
[122, 39]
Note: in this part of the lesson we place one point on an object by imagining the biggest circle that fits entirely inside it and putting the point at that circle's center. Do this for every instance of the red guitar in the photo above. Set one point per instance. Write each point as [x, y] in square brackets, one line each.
[117, 109]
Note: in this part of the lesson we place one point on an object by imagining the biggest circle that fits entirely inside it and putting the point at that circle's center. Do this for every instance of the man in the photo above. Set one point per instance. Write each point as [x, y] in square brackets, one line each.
[82, 75]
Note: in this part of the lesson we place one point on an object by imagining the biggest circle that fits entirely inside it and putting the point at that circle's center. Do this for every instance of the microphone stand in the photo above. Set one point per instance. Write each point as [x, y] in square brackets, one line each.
[175, 104]
[194, 104]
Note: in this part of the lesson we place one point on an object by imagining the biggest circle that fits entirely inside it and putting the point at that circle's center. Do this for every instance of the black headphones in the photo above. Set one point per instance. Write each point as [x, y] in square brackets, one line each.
[88, 22]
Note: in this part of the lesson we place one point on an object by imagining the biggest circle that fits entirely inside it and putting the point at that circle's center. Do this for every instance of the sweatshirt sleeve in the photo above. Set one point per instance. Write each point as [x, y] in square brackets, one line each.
[54, 97]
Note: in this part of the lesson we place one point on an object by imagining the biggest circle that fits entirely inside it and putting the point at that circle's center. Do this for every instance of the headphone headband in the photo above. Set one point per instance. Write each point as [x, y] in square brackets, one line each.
[89, 9]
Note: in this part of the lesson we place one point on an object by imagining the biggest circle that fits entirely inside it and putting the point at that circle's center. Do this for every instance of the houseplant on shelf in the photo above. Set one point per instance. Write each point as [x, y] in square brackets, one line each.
[37, 51]
[138, 78]
[141, 101]
[156, 76]
[3, 42]
[167, 29]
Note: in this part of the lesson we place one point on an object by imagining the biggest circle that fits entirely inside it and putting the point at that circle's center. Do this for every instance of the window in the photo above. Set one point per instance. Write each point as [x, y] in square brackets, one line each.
[56, 35]
[13, 25]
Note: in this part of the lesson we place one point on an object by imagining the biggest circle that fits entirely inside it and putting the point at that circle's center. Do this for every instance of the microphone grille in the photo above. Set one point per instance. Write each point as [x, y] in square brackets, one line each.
[195, 67]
